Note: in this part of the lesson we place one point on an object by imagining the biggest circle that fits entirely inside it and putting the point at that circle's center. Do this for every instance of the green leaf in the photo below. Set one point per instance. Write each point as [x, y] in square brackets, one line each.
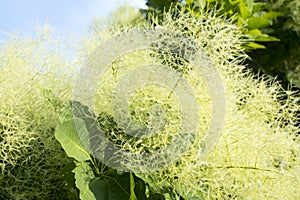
[67, 135]
[245, 12]
[116, 187]
[258, 22]
[100, 189]
[262, 20]
[266, 38]
[254, 32]
[132, 186]
[273, 15]
[84, 176]
[249, 4]
[253, 45]
[140, 188]
[258, 36]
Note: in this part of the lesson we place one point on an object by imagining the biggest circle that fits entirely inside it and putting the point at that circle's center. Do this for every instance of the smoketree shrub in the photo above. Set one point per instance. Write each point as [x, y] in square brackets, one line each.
[257, 155]
[35, 81]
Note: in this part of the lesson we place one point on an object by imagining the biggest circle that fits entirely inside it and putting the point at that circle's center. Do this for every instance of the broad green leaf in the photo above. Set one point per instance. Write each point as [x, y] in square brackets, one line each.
[99, 187]
[139, 188]
[84, 176]
[116, 187]
[67, 135]
[119, 187]
[258, 22]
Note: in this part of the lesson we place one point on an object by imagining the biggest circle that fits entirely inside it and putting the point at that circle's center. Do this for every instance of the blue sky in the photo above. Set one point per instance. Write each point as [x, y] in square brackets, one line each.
[67, 16]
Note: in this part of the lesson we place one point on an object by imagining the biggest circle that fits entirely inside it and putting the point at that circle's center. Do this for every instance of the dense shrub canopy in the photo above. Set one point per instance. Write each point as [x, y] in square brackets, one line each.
[257, 154]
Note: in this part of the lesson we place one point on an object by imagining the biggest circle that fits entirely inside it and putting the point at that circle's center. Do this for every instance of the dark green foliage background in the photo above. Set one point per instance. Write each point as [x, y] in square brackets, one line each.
[275, 51]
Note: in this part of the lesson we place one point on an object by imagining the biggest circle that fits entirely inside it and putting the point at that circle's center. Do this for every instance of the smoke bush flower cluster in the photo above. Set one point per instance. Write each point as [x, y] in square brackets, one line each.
[35, 83]
[258, 153]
